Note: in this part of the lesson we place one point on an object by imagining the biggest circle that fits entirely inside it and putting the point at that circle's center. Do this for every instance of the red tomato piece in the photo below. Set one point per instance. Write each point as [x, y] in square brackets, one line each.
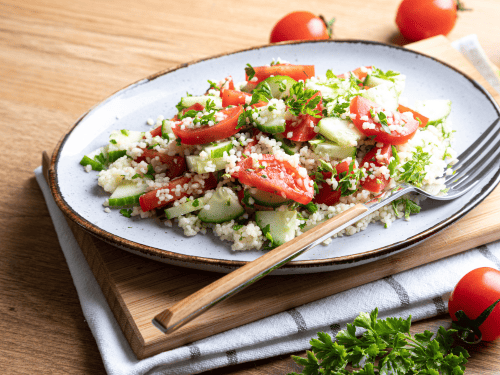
[417, 116]
[422, 19]
[361, 107]
[195, 107]
[299, 26]
[228, 83]
[206, 133]
[150, 201]
[176, 163]
[233, 97]
[473, 294]
[297, 72]
[377, 184]
[280, 177]
[326, 195]
[358, 72]
[302, 129]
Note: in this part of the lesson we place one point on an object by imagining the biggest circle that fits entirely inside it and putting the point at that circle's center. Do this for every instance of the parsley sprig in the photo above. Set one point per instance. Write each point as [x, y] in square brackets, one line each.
[414, 169]
[409, 207]
[350, 179]
[301, 101]
[389, 75]
[386, 347]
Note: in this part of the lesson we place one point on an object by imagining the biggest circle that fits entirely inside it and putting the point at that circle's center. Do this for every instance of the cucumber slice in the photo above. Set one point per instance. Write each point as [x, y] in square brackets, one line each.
[280, 85]
[188, 101]
[166, 130]
[281, 225]
[223, 206]
[115, 155]
[272, 126]
[385, 95]
[339, 131]
[97, 159]
[122, 138]
[334, 150]
[196, 164]
[217, 150]
[290, 147]
[127, 193]
[273, 121]
[398, 81]
[185, 208]
[436, 110]
[263, 198]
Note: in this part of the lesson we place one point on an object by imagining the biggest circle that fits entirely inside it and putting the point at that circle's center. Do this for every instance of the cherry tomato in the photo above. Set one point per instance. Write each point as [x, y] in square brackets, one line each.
[277, 177]
[233, 97]
[376, 184]
[176, 164]
[297, 72]
[326, 195]
[207, 134]
[150, 201]
[361, 108]
[299, 26]
[421, 19]
[360, 73]
[302, 128]
[475, 292]
[417, 116]
[195, 107]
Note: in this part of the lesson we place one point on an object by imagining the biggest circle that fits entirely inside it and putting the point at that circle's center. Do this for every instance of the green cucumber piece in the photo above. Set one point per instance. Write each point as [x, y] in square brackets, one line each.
[435, 110]
[280, 85]
[339, 131]
[188, 101]
[281, 225]
[223, 206]
[96, 166]
[115, 155]
[127, 193]
[334, 150]
[123, 138]
[290, 147]
[385, 95]
[263, 198]
[217, 150]
[196, 164]
[97, 159]
[166, 130]
[275, 121]
[398, 81]
[185, 208]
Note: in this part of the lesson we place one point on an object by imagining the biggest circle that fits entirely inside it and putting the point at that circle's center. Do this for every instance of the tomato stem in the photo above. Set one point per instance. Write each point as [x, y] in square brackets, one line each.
[468, 329]
[329, 25]
[461, 6]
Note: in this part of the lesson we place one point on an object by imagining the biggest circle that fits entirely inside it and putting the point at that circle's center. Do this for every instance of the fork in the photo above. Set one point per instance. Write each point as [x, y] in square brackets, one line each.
[474, 164]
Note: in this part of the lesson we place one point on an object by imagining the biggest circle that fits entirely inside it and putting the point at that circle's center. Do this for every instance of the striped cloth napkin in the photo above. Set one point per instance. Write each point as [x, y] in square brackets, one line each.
[420, 292]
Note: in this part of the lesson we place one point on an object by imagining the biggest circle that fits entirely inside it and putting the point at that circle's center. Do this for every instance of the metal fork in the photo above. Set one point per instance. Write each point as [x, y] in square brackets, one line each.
[474, 164]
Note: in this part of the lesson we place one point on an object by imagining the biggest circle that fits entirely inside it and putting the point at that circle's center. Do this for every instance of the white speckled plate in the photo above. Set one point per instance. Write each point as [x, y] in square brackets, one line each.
[77, 194]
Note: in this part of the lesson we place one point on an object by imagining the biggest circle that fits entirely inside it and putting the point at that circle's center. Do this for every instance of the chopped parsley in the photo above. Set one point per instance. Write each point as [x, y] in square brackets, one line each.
[389, 75]
[250, 72]
[394, 162]
[414, 169]
[349, 180]
[383, 121]
[126, 213]
[125, 132]
[263, 93]
[113, 141]
[237, 227]
[196, 203]
[410, 207]
[301, 101]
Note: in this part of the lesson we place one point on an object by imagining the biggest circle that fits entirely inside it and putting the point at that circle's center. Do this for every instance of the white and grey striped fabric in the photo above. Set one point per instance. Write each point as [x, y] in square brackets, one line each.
[421, 292]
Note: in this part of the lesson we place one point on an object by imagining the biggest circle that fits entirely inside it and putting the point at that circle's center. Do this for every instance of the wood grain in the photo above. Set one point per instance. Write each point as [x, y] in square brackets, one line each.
[58, 58]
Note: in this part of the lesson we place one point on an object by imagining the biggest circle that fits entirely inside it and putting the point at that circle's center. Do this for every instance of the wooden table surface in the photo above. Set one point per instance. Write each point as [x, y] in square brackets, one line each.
[57, 59]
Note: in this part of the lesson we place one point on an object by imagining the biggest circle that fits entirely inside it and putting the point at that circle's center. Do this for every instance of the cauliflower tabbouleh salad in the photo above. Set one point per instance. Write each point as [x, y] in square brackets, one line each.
[263, 161]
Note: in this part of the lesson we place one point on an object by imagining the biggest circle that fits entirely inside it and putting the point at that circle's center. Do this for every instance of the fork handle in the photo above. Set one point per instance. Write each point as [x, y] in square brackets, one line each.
[230, 284]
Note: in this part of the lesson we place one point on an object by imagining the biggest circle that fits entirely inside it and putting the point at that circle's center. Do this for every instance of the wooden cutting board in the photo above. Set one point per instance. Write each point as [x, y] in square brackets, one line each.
[137, 288]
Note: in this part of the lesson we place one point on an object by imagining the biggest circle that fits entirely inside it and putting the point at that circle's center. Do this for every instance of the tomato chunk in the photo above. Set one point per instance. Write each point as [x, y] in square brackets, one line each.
[228, 83]
[233, 97]
[176, 163]
[297, 72]
[407, 126]
[277, 177]
[376, 158]
[417, 116]
[326, 194]
[360, 73]
[206, 133]
[302, 129]
[195, 107]
[150, 201]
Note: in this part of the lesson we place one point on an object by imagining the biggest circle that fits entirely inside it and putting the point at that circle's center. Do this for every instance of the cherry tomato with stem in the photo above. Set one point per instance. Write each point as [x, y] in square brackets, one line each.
[301, 25]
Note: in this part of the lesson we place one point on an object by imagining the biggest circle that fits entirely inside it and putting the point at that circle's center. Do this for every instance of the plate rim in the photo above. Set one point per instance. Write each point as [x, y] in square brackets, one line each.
[354, 258]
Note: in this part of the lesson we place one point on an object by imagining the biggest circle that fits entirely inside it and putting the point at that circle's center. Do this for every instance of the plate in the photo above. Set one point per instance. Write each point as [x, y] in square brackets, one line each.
[80, 198]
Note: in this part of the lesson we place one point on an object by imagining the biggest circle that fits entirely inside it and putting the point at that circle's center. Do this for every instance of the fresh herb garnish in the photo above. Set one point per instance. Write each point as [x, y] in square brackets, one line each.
[250, 72]
[113, 141]
[237, 227]
[394, 162]
[386, 347]
[410, 207]
[389, 75]
[301, 101]
[126, 213]
[414, 169]
[263, 93]
[196, 203]
[383, 121]
[124, 132]
[349, 180]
